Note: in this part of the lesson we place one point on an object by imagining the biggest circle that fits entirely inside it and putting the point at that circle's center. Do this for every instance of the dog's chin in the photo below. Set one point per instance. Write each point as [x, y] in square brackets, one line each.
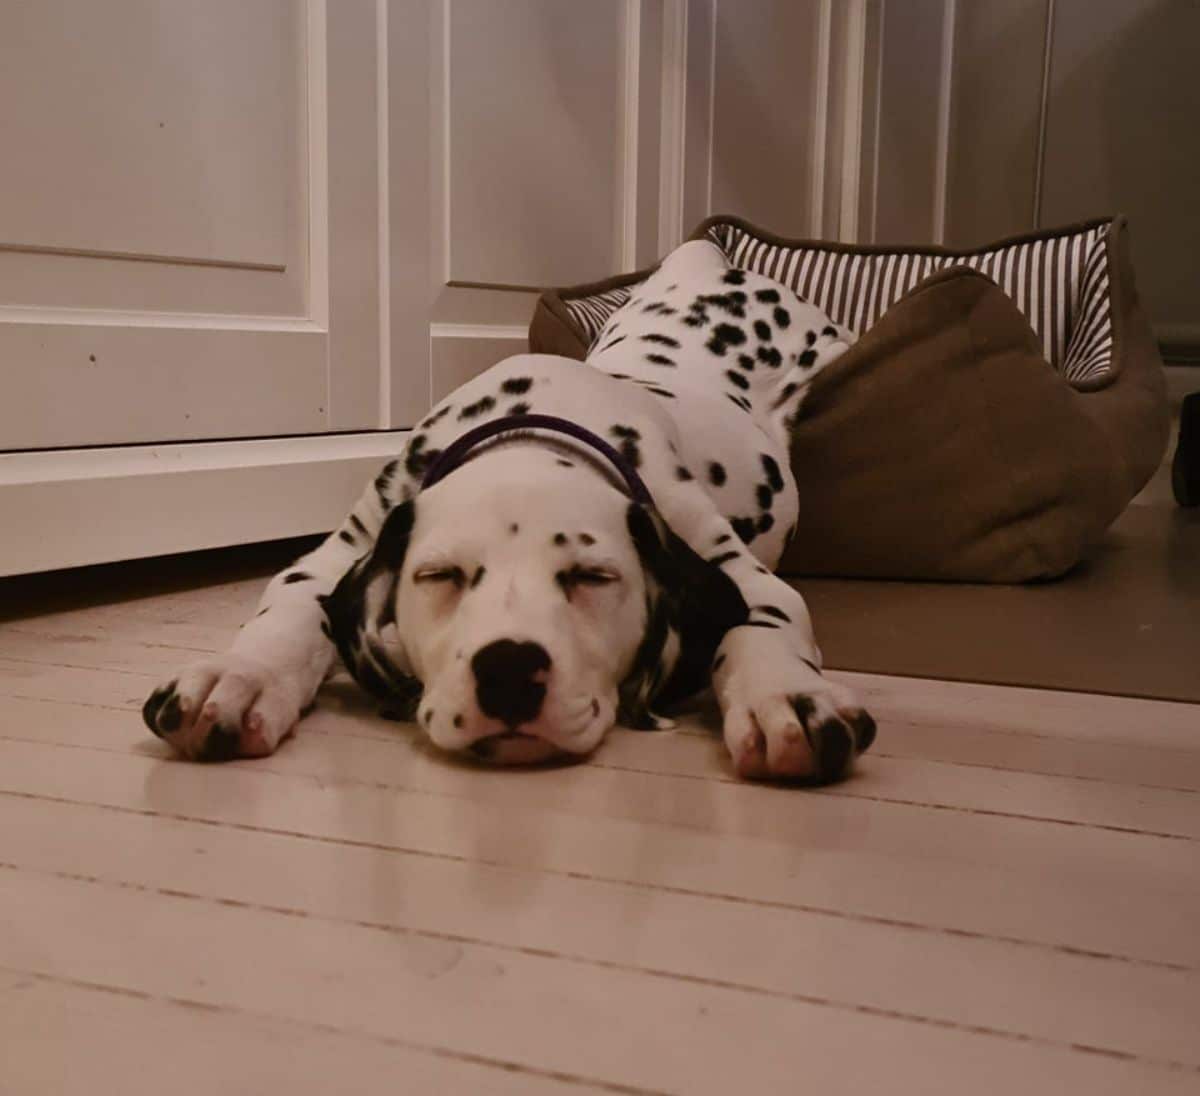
[514, 748]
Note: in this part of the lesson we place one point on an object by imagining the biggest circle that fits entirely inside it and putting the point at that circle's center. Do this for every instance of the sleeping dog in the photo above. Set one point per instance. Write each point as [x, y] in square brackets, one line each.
[563, 546]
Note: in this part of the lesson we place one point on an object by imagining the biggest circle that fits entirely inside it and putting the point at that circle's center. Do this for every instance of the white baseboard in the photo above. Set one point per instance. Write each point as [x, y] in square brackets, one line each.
[71, 507]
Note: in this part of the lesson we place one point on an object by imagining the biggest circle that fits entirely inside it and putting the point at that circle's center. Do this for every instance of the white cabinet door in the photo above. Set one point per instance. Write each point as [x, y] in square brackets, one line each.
[244, 246]
[188, 220]
[544, 139]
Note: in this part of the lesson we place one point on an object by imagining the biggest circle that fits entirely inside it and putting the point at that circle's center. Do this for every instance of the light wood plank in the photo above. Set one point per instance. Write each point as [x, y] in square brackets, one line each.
[698, 754]
[893, 823]
[523, 1008]
[949, 736]
[68, 1038]
[1025, 885]
[1043, 994]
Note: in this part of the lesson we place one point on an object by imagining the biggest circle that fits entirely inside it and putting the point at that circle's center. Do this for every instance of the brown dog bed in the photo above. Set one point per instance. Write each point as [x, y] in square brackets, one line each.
[999, 410]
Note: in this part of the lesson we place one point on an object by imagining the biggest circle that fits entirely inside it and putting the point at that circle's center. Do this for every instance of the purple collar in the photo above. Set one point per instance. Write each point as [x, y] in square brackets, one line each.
[454, 454]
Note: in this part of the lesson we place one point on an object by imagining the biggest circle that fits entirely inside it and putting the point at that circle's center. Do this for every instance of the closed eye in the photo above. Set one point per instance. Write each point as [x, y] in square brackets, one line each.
[453, 575]
[578, 575]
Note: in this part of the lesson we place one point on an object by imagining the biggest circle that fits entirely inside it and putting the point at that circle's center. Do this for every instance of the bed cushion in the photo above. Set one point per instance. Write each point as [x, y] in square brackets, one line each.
[998, 411]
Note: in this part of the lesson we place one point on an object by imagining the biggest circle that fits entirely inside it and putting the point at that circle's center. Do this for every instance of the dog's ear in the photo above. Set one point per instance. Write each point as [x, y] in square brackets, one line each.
[690, 605]
[362, 606]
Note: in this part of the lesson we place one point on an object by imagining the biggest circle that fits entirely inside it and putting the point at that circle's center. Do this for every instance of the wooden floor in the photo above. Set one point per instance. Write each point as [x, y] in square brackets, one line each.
[1005, 899]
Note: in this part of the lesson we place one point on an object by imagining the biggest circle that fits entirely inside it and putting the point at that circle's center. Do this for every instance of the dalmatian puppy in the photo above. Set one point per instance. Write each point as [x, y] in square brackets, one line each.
[563, 546]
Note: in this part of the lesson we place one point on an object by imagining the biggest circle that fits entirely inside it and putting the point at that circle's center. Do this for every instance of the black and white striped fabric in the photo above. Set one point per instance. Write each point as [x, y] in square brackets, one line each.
[1060, 284]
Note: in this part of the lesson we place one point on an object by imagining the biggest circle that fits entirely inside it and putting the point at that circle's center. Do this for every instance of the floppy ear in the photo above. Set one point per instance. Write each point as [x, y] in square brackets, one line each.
[690, 605]
[363, 604]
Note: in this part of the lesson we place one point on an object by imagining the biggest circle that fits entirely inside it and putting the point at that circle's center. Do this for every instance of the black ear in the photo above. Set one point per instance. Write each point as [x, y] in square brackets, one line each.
[363, 604]
[690, 605]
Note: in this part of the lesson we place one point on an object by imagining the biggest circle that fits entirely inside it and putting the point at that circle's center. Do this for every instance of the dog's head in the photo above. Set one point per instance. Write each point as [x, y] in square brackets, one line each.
[523, 605]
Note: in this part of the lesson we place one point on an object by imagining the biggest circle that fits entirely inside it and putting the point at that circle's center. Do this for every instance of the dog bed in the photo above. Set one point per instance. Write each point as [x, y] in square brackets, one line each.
[999, 409]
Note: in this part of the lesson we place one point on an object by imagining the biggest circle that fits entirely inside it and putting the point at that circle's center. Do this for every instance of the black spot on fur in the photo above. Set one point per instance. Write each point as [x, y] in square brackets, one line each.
[619, 431]
[833, 748]
[764, 495]
[733, 303]
[769, 355]
[662, 340]
[682, 474]
[514, 528]
[723, 337]
[346, 535]
[762, 329]
[346, 611]
[864, 730]
[560, 538]
[437, 416]
[723, 558]
[479, 407]
[516, 386]
[830, 331]
[358, 525]
[477, 578]
[416, 460]
[161, 712]
[724, 538]
[631, 453]
[659, 359]
[656, 391]
[734, 277]
[782, 317]
[746, 362]
[586, 538]
[745, 529]
[384, 480]
[774, 475]
[737, 379]
[739, 401]
[787, 392]
[696, 319]
[296, 576]
[767, 296]
[687, 596]
[458, 720]
[716, 473]
[221, 745]
[564, 463]
[261, 611]
[609, 345]
[521, 408]
[765, 522]
[806, 358]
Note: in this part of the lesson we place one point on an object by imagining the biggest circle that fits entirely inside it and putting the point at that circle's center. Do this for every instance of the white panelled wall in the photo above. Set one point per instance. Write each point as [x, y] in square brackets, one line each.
[244, 247]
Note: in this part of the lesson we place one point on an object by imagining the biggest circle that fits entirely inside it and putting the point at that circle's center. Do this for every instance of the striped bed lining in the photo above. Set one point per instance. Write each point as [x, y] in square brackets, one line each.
[1060, 284]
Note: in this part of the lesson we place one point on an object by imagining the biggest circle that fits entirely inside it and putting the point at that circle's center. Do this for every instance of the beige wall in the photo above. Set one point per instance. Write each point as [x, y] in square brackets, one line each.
[1123, 133]
[1001, 116]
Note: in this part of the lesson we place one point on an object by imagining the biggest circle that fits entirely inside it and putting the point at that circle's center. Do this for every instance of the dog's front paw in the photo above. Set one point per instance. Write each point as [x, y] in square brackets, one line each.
[784, 721]
[222, 708]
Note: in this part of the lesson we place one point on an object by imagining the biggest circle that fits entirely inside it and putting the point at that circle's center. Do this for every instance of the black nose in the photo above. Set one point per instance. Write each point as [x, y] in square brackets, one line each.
[505, 685]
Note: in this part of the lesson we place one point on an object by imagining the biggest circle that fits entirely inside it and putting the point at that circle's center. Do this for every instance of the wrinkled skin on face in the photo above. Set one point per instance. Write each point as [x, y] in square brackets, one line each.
[518, 620]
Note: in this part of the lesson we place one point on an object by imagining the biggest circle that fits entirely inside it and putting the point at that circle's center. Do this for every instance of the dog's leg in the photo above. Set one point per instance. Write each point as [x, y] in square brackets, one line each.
[782, 718]
[244, 702]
